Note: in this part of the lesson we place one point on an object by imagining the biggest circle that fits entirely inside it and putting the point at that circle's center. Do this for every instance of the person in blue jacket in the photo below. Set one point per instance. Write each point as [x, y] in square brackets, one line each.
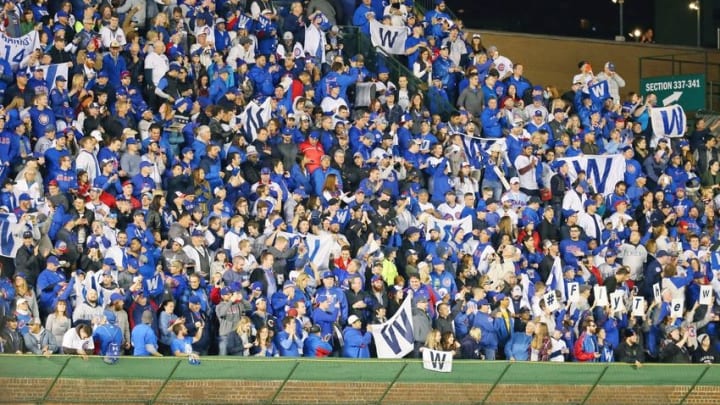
[50, 284]
[287, 341]
[486, 324]
[362, 16]
[493, 120]
[325, 315]
[518, 347]
[108, 333]
[357, 343]
[262, 77]
[219, 87]
[315, 345]
[335, 295]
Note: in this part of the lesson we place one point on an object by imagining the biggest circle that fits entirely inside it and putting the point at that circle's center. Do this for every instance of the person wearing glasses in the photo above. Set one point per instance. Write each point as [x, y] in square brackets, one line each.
[586, 347]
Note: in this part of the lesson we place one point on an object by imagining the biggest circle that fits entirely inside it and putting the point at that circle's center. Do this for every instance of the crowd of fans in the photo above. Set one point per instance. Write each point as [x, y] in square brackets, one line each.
[145, 218]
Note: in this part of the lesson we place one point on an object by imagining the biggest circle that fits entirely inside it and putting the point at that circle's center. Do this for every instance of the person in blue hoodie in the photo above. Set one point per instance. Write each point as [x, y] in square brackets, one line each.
[486, 324]
[493, 120]
[263, 77]
[315, 345]
[362, 16]
[357, 343]
[50, 283]
[442, 183]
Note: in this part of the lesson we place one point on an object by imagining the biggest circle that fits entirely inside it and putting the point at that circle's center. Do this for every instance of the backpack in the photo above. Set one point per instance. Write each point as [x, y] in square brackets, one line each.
[112, 354]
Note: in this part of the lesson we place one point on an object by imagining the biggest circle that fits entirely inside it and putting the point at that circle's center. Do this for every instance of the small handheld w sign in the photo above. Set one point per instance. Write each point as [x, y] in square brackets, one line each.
[437, 361]
[706, 295]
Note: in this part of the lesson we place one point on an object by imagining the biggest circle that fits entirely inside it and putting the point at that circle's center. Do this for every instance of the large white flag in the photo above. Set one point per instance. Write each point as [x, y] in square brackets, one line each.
[319, 249]
[604, 171]
[668, 121]
[50, 72]
[8, 222]
[435, 360]
[15, 50]
[390, 38]
[256, 116]
[555, 279]
[394, 338]
[448, 228]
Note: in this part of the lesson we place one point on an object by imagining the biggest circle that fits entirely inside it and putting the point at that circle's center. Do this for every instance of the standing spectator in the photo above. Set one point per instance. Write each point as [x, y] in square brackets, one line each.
[470, 345]
[586, 346]
[144, 339]
[58, 322]
[39, 341]
[12, 340]
[78, 341]
[675, 346]
[630, 350]
[357, 343]
[108, 335]
[288, 342]
[228, 313]
[518, 347]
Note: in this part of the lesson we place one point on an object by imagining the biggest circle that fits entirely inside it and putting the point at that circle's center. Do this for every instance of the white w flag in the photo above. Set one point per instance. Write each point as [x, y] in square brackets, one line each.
[319, 249]
[50, 72]
[555, 279]
[15, 50]
[447, 228]
[668, 121]
[391, 39]
[435, 360]
[7, 242]
[394, 338]
[256, 116]
[605, 171]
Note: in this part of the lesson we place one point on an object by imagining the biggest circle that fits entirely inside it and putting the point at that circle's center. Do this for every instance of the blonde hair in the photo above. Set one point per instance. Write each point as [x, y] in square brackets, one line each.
[242, 323]
[432, 341]
[541, 331]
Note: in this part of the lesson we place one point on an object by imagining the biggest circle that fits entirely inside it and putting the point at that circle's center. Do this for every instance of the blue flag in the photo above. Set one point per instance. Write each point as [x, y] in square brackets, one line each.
[599, 92]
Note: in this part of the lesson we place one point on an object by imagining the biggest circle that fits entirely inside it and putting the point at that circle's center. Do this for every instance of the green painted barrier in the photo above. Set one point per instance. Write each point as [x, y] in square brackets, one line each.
[370, 370]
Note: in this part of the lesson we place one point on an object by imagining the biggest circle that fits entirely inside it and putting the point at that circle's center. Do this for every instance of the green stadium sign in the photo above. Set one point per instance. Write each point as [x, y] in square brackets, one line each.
[685, 90]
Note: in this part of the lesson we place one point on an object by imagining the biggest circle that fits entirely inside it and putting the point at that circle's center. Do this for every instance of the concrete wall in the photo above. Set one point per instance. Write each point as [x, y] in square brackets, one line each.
[553, 60]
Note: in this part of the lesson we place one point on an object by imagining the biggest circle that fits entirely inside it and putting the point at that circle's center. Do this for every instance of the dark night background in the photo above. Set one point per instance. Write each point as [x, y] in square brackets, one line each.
[671, 20]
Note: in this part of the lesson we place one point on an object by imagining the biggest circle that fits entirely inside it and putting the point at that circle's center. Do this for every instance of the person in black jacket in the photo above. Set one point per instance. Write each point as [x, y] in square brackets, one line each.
[470, 345]
[446, 316]
[630, 350]
[551, 252]
[706, 353]
[559, 185]
[29, 260]
[674, 349]
[12, 340]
